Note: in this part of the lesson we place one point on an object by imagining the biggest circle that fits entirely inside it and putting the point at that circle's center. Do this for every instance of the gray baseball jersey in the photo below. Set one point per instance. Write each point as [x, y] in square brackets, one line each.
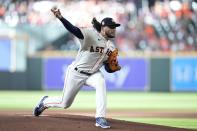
[93, 52]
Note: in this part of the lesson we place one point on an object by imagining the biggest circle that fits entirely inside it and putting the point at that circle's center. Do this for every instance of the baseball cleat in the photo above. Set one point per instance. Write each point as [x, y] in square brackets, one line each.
[40, 107]
[100, 121]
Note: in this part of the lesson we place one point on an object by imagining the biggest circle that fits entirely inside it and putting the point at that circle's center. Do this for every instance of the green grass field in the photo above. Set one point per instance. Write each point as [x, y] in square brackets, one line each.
[13, 100]
[188, 123]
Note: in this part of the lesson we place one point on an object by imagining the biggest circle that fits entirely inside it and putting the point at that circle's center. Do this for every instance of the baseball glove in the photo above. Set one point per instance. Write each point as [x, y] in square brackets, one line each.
[112, 64]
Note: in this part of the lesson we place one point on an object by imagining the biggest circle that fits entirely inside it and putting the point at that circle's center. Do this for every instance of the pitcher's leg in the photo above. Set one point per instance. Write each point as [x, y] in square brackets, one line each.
[72, 85]
[97, 81]
[101, 98]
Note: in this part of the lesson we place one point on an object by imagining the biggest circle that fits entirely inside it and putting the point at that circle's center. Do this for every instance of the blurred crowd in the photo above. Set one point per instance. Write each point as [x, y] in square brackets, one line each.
[163, 26]
[166, 26]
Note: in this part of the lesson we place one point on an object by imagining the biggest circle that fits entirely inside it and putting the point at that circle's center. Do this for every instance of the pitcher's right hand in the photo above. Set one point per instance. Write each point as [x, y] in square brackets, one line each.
[57, 13]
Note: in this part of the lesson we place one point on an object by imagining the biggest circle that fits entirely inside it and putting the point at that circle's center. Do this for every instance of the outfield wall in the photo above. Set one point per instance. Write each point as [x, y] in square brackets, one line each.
[140, 72]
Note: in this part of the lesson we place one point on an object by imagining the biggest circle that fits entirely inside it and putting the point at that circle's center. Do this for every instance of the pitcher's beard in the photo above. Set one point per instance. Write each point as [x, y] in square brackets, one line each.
[109, 35]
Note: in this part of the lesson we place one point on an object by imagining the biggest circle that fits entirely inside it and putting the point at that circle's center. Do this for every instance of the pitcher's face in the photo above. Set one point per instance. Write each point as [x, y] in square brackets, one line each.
[110, 32]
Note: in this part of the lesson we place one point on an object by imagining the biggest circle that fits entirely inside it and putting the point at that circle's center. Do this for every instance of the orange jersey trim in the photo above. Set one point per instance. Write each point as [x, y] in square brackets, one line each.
[104, 56]
[63, 90]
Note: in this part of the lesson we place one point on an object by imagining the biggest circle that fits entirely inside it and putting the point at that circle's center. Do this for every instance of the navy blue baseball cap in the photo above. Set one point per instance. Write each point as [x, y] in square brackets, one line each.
[109, 22]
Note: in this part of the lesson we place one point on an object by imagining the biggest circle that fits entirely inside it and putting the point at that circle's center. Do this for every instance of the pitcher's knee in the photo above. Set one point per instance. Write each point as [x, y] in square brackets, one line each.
[66, 105]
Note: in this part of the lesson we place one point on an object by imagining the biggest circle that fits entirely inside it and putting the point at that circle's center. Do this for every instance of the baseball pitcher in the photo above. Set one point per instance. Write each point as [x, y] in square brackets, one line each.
[95, 51]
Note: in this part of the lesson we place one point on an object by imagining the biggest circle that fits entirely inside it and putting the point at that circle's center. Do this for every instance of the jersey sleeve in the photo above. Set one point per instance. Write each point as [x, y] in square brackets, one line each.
[85, 31]
[87, 36]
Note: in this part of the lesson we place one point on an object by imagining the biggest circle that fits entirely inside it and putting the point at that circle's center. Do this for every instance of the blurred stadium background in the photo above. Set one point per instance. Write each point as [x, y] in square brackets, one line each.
[157, 43]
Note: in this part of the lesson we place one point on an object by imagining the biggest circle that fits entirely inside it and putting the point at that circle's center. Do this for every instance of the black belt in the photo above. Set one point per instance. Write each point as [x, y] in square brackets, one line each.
[82, 72]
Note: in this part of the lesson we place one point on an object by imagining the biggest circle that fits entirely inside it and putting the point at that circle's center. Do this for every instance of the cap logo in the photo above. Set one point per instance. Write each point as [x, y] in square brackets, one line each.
[103, 23]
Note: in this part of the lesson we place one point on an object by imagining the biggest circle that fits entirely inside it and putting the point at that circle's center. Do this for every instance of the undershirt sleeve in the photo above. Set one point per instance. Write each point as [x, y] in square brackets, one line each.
[71, 28]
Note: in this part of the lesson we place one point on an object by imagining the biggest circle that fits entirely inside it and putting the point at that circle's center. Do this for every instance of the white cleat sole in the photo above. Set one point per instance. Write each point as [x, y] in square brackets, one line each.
[97, 125]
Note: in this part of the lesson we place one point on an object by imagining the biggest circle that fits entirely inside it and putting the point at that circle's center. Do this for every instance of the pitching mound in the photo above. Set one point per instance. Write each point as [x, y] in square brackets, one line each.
[64, 122]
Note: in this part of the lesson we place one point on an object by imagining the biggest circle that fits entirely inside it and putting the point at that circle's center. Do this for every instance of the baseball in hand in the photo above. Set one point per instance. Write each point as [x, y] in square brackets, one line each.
[54, 8]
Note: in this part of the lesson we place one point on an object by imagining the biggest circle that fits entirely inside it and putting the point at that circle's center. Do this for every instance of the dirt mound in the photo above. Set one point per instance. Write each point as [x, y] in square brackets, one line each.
[64, 122]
